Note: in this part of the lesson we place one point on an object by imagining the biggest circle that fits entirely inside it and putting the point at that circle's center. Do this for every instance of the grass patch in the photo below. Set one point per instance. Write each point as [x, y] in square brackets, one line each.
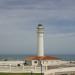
[19, 74]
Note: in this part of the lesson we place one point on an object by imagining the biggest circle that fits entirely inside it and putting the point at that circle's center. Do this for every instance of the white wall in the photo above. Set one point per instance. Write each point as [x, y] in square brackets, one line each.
[49, 62]
[11, 62]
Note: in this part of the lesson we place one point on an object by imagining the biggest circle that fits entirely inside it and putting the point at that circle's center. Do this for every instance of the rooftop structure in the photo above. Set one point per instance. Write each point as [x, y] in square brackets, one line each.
[41, 58]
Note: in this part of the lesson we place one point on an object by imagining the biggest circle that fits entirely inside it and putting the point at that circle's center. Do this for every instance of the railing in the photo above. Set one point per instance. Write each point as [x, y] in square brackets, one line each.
[25, 69]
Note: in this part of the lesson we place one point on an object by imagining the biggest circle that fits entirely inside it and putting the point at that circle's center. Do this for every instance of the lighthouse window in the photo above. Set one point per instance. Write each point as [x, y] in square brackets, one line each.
[35, 61]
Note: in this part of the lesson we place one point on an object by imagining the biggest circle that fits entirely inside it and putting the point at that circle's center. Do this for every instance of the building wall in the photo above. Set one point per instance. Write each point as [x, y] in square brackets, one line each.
[48, 62]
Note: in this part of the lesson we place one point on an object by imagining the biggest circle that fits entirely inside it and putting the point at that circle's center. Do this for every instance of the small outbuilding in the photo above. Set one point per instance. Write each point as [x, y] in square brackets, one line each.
[44, 60]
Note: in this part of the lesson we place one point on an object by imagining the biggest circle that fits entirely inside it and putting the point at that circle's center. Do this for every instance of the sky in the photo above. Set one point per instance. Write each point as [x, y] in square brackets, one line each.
[19, 20]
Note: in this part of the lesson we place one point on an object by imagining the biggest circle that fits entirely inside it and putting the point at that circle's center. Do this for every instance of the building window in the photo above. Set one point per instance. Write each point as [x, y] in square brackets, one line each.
[35, 61]
[18, 65]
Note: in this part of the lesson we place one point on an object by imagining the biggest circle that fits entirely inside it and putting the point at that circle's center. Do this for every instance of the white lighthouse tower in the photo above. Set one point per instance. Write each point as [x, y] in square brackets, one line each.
[38, 60]
[40, 40]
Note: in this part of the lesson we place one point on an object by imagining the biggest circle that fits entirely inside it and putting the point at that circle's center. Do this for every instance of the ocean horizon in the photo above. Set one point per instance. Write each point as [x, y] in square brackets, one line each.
[67, 57]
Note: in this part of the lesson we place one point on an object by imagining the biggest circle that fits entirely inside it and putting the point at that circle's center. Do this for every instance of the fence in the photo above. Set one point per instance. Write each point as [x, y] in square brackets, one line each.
[21, 69]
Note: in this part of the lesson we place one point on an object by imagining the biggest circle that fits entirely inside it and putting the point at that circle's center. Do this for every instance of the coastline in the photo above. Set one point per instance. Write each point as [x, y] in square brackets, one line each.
[22, 56]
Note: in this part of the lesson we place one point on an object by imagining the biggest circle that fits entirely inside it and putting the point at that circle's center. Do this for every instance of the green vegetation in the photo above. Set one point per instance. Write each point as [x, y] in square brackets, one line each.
[19, 74]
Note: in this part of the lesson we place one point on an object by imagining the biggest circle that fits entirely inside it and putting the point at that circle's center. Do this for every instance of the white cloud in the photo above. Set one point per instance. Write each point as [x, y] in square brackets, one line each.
[19, 18]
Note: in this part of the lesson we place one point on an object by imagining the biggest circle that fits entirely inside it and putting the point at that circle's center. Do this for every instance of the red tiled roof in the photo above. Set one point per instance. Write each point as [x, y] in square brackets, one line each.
[41, 58]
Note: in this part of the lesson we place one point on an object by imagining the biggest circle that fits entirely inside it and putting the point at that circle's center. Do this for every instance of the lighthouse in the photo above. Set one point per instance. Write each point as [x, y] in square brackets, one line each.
[40, 40]
[40, 58]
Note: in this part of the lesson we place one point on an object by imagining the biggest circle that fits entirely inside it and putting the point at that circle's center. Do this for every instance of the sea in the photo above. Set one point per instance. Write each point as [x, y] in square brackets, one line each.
[11, 57]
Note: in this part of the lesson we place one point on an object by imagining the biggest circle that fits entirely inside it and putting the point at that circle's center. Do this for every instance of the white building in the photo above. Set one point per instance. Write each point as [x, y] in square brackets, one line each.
[44, 60]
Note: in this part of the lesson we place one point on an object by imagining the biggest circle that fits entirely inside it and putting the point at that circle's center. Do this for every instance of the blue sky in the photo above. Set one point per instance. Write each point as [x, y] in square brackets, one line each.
[19, 19]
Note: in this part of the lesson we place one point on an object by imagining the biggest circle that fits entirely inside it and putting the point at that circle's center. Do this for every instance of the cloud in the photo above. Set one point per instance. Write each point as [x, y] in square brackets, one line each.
[19, 18]
[60, 43]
